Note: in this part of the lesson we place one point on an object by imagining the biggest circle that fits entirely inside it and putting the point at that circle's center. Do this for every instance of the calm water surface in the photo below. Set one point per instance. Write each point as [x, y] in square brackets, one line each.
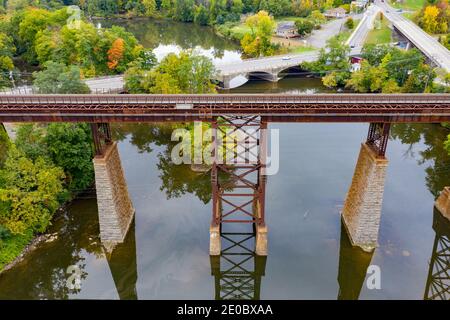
[166, 256]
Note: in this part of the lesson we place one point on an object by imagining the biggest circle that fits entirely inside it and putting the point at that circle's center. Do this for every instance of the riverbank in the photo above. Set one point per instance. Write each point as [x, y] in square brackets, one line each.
[54, 174]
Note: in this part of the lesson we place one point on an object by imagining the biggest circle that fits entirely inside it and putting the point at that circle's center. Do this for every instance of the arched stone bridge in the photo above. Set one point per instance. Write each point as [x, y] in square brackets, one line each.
[267, 68]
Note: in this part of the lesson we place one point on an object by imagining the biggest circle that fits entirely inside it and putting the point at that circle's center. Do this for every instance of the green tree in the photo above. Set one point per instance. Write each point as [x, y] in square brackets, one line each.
[447, 144]
[70, 148]
[420, 79]
[375, 53]
[333, 63]
[371, 78]
[184, 10]
[317, 18]
[349, 23]
[4, 144]
[150, 7]
[66, 145]
[304, 26]
[29, 192]
[7, 51]
[187, 72]
[57, 78]
[201, 16]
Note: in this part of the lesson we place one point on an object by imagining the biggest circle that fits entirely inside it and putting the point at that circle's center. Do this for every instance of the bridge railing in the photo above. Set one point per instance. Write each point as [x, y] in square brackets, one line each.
[222, 100]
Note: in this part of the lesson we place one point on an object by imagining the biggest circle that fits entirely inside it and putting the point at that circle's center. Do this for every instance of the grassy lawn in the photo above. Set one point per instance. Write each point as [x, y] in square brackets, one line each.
[240, 30]
[379, 36]
[412, 5]
[409, 15]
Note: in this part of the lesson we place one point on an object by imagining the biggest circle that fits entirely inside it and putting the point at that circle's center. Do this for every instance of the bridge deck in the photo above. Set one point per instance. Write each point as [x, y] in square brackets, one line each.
[292, 108]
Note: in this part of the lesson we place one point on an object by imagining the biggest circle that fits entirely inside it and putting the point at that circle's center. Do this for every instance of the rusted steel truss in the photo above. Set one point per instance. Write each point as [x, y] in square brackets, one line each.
[289, 108]
[378, 137]
[438, 281]
[101, 135]
[238, 270]
[239, 156]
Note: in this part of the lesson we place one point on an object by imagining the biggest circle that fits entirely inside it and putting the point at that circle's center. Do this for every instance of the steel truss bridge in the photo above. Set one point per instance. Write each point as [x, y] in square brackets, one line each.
[425, 108]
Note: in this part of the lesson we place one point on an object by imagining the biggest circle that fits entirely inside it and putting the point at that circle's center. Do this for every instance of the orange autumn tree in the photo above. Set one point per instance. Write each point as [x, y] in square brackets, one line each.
[115, 53]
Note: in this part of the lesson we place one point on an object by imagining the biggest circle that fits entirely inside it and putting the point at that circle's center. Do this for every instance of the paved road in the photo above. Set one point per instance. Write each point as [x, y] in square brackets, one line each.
[359, 35]
[429, 46]
[318, 38]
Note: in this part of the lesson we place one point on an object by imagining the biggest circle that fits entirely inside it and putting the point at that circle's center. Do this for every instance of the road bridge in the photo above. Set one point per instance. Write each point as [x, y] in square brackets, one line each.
[429, 46]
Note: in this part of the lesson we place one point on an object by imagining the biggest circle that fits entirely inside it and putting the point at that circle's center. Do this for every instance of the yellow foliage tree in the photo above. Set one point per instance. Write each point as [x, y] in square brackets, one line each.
[258, 41]
[430, 19]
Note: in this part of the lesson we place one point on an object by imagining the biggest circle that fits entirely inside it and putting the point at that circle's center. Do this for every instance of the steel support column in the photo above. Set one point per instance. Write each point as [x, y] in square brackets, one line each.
[240, 156]
[101, 135]
[378, 137]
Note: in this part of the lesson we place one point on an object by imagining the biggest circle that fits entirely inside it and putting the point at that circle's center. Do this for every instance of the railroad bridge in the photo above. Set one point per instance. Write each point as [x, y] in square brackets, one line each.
[240, 200]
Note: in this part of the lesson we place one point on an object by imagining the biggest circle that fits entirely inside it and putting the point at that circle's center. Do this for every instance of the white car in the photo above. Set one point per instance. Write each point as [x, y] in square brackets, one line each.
[287, 58]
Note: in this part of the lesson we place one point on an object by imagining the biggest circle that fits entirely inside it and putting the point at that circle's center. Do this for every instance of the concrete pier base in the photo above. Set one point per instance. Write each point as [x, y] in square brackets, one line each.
[443, 202]
[214, 240]
[115, 209]
[362, 208]
[261, 240]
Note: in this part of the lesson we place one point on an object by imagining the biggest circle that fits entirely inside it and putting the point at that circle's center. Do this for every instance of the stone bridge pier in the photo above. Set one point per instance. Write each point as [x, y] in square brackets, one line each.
[115, 209]
[362, 207]
[10, 130]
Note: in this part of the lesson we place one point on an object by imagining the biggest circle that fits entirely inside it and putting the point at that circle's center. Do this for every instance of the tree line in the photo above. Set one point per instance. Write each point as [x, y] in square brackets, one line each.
[41, 37]
[46, 165]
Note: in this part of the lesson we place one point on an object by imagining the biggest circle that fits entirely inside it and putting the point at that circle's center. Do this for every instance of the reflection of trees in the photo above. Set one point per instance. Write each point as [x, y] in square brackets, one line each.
[43, 273]
[177, 180]
[152, 33]
[433, 136]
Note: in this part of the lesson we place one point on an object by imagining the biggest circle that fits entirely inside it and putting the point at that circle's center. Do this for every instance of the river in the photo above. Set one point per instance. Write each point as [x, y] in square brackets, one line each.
[165, 255]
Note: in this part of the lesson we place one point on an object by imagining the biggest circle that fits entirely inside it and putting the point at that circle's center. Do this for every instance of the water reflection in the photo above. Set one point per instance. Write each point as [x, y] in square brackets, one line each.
[438, 280]
[353, 264]
[46, 267]
[165, 36]
[123, 265]
[238, 271]
[434, 155]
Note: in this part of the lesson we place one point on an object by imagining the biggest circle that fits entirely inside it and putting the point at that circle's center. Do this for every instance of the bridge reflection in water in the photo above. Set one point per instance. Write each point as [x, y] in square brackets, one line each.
[238, 270]
[353, 264]
[438, 280]
[123, 266]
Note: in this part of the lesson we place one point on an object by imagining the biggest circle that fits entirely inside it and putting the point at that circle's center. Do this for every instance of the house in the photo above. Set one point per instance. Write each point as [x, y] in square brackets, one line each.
[335, 13]
[355, 63]
[287, 29]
